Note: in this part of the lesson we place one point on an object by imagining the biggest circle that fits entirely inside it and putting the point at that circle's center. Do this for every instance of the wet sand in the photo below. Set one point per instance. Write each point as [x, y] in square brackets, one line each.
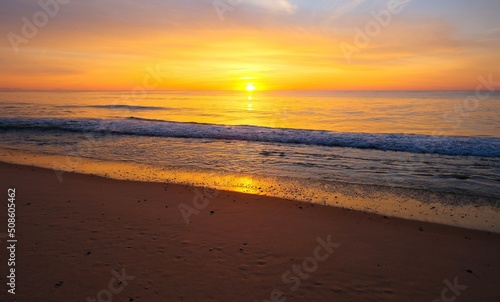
[89, 237]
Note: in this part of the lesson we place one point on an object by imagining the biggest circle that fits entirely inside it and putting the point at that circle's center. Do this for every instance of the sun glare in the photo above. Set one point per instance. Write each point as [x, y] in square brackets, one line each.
[250, 87]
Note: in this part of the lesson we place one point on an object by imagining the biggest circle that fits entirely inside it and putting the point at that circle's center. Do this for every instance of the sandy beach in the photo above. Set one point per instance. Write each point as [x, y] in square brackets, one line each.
[89, 238]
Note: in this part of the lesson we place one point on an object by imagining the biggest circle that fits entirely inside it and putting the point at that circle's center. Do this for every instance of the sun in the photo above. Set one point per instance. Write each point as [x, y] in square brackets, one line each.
[250, 87]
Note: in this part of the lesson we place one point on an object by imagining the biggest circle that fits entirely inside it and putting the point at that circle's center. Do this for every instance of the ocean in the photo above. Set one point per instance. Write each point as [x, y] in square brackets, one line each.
[425, 155]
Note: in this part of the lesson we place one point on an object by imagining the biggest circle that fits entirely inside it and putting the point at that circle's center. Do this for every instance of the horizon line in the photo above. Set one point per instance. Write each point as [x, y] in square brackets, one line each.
[225, 90]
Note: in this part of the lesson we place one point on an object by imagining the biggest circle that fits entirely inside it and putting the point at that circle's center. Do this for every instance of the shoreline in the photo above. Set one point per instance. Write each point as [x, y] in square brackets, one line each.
[72, 235]
[453, 209]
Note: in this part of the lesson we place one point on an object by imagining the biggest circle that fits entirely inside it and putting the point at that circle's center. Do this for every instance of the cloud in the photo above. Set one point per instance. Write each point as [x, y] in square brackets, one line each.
[341, 7]
[274, 5]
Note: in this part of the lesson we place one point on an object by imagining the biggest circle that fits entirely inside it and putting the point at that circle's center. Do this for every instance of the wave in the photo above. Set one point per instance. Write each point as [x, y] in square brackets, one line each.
[444, 145]
[119, 107]
[129, 107]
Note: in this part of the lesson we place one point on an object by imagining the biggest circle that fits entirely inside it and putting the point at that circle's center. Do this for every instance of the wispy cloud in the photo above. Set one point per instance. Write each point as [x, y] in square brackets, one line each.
[274, 5]
[494, 31]
[340, 8]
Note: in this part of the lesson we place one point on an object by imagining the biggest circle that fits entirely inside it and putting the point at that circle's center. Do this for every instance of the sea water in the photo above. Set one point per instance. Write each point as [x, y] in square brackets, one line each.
[430, 147]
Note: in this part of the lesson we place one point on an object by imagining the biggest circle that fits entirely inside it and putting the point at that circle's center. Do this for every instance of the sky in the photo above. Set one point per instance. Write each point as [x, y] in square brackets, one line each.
[227, 44]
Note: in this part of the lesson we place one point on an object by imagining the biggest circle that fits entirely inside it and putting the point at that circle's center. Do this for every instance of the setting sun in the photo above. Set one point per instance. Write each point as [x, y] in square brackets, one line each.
[250, 87]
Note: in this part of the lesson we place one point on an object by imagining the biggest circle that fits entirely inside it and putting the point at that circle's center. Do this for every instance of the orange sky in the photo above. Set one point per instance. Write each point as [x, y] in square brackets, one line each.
[277, 45]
